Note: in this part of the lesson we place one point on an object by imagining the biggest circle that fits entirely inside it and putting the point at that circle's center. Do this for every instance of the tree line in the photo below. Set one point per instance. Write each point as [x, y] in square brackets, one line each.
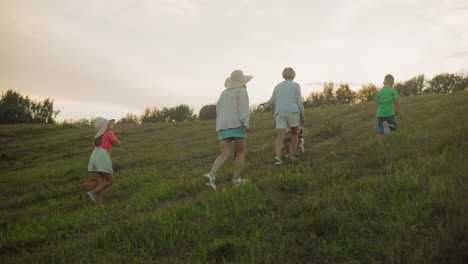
[173, 114]
[443, 83]
[15, 108]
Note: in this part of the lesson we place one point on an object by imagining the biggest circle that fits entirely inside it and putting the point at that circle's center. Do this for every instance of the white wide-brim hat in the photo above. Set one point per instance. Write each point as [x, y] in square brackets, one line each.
[237, 79]
[100, 124]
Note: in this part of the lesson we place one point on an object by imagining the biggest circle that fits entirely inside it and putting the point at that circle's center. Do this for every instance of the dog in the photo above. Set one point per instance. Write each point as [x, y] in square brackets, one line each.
[285, 151]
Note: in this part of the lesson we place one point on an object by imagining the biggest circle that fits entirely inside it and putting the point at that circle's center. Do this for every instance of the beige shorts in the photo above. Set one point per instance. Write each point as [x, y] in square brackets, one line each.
[100, 161]
[287, 120]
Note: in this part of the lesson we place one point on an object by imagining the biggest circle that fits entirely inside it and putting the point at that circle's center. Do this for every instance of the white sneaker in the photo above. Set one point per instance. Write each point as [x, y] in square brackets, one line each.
[211, 178]
[240, 181]
[386, 128]
[277, 162]
[211, 184]
[92, 197]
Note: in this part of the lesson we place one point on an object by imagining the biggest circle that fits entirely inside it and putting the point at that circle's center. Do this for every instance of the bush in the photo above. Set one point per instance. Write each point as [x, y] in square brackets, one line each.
[82, 122]
[413, 86]
[445, 83]
[179, 113]
[14, 108]
[328, 95]
[130, 119]
[207, 112]
[315, 99]
[261, 109]
[152, 115]
[344, 95]
[367, 93]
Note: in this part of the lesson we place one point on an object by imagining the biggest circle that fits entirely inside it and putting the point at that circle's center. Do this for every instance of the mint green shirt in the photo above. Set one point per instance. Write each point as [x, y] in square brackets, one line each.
[287, 98]
[385, 98]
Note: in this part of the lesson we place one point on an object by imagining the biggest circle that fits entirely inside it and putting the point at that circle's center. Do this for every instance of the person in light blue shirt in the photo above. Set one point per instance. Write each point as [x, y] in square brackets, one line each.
[289, 112]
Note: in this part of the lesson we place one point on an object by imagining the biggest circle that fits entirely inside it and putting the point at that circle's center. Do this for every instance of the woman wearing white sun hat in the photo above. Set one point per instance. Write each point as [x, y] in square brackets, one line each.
[232, 124]
[100, 163]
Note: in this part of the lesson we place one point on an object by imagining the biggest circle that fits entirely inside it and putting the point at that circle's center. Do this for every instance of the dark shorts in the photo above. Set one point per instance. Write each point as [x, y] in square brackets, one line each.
[389, 119]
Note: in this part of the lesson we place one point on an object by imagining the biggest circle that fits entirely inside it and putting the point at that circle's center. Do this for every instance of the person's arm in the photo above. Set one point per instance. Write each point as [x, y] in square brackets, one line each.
[114, 141]
[398, 108]
[300, 104]
[396, 102]
[271, 101]
[243, 106]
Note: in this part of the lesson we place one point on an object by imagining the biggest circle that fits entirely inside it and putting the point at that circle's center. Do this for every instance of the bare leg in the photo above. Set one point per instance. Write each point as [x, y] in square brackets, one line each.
[294, 141]
[225, 148]
[99, 195]
[105, 179]
[239, 162]
[286, 148]
[279, 141]
[380, 139]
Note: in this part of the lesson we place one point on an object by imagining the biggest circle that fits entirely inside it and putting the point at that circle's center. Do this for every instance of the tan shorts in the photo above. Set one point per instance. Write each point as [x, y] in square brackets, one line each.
[287, 120]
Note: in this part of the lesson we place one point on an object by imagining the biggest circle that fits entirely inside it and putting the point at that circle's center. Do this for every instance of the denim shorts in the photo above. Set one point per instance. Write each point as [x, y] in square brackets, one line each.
[389, 119]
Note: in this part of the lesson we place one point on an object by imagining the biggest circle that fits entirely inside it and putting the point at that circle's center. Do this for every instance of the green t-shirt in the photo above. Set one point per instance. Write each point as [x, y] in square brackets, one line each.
[385, 98]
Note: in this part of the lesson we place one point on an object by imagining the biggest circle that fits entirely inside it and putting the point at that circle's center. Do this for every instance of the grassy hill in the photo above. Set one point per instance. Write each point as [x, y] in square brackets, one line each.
[347, 200]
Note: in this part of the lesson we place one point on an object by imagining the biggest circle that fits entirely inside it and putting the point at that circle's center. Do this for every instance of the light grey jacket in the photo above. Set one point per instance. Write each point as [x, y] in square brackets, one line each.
[287, 98]
[232, 109]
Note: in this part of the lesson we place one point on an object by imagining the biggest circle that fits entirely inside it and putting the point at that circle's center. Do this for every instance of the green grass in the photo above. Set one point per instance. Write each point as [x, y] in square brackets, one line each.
[346, 201]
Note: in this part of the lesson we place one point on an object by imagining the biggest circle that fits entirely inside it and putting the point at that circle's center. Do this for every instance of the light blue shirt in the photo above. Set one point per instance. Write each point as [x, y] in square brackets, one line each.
[287, 98]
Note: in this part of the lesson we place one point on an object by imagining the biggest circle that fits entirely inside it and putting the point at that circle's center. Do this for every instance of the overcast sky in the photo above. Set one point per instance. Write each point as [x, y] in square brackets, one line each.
[110, 57]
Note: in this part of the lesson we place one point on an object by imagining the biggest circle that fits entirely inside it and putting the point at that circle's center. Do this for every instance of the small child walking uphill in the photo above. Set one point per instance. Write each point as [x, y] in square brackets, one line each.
[386, 98]
[100, 163]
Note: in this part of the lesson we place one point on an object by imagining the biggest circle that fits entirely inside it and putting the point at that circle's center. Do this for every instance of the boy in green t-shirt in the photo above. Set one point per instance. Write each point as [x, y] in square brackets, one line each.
[385, 115]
